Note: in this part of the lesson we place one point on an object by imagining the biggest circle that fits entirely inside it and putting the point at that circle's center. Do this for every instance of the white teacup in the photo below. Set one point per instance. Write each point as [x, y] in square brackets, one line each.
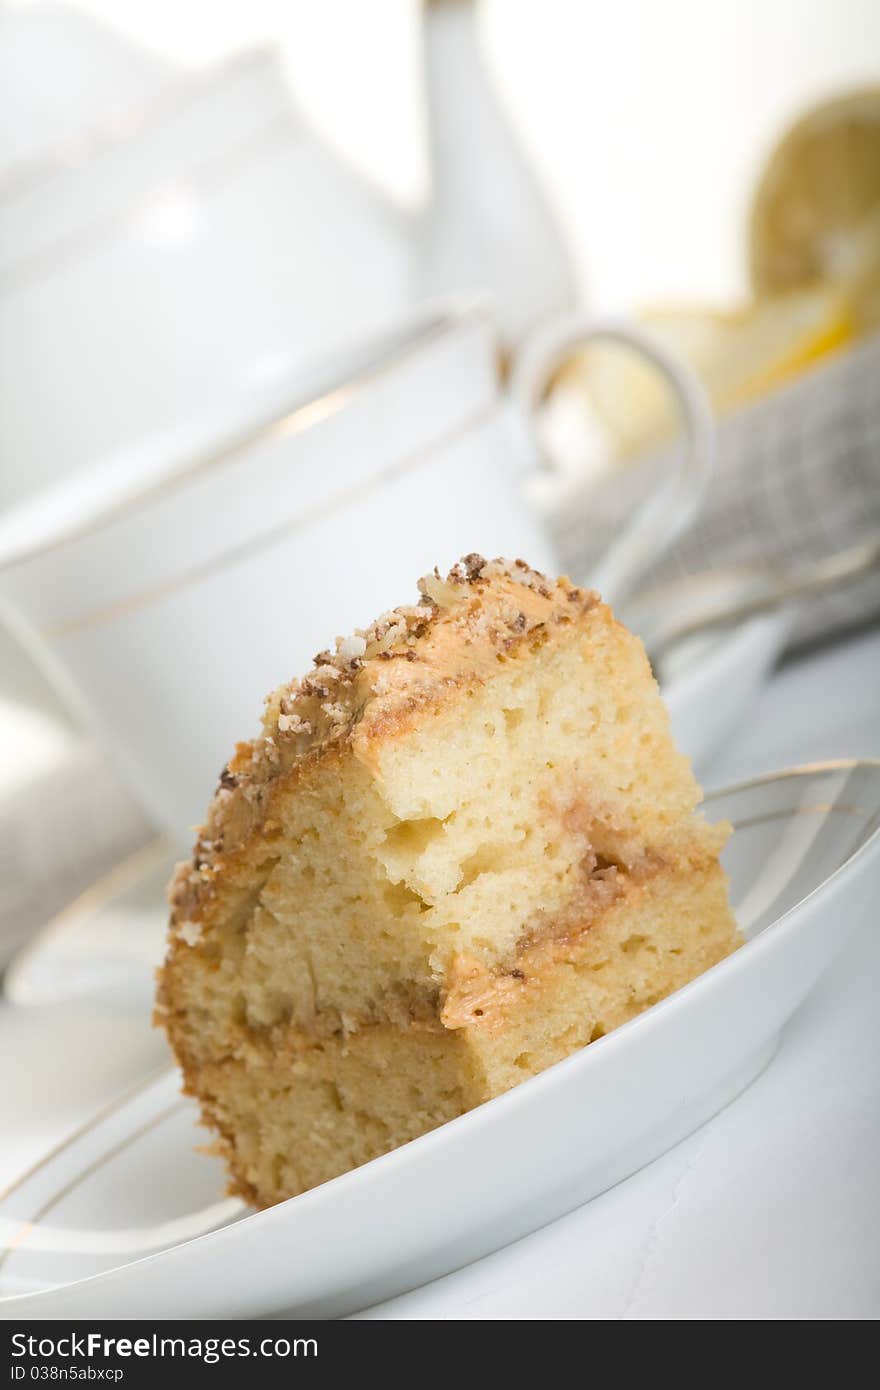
[173, 588]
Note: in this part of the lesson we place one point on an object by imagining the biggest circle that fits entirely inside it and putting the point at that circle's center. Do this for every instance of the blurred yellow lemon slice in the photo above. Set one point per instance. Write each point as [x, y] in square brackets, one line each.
[816, 214]
[738, 356]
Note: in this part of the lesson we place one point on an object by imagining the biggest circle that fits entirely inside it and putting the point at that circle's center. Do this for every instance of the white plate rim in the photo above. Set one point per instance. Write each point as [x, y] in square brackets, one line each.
[480, 1116]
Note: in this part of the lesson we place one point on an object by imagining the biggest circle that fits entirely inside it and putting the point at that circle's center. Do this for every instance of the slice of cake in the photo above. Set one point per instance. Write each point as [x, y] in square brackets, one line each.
[462, 847]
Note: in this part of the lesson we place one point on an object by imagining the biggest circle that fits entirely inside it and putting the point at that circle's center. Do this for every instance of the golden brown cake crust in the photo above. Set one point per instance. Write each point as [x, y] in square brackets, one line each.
[462, 847]
[375, 685]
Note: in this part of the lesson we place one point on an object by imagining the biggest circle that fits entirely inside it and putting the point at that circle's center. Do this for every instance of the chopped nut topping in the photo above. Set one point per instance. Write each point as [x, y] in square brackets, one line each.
[351, 647]
[293, 724]
[190, 932]
[395, 656]
[337, 714]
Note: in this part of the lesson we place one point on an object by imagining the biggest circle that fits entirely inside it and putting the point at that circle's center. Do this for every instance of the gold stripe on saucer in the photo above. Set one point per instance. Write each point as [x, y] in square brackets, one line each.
[19, 1236]
[94, 899]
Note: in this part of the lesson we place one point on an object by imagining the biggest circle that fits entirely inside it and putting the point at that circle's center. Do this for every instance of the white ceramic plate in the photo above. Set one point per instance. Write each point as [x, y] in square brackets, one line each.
[713, 680]
[108, 942]
[127, 1218]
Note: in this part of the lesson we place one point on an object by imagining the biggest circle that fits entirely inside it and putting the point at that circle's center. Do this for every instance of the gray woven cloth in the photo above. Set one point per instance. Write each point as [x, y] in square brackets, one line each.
[797, 479]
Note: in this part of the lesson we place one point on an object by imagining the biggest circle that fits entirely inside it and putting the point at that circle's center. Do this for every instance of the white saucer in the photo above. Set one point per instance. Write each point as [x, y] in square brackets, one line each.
[106, 944]
[128, 1219]
[710, 680]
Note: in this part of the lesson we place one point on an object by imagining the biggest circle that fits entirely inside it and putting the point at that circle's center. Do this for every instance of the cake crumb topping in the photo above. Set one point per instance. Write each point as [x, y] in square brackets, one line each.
[349, 648]
[189, 932]
[372, 681]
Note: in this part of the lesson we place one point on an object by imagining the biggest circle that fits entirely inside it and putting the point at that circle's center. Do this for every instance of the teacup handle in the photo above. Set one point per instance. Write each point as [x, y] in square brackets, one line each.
[671, 507]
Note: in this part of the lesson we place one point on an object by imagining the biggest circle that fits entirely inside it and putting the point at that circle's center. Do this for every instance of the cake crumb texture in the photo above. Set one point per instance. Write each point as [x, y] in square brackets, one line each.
[461, 848]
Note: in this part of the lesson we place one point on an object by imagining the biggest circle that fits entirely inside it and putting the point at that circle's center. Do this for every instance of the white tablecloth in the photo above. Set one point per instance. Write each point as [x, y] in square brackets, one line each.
[770, 1211]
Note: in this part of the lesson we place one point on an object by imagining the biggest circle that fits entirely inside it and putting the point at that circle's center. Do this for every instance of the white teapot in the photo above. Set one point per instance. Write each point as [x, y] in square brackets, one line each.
[195, 244]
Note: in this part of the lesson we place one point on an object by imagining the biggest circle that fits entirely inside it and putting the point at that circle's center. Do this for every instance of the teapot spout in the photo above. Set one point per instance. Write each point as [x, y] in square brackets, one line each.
[487, 226]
